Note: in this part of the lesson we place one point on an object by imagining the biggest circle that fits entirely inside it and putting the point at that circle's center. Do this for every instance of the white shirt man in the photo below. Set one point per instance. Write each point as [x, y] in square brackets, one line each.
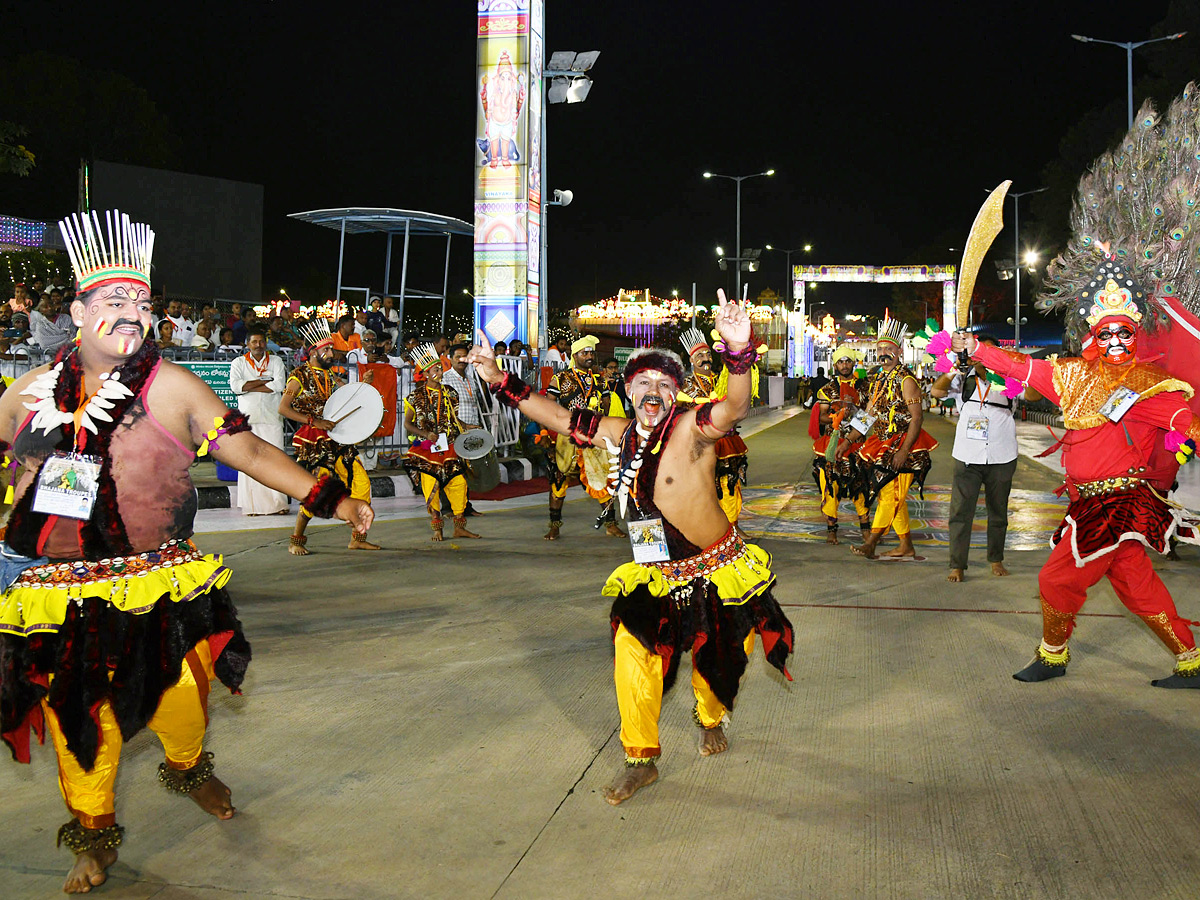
[50, 330]
[258, 379]
[986, 432]
[185, 328]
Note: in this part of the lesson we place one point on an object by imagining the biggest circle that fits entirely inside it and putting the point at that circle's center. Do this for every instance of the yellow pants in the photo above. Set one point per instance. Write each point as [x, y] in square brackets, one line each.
[731, 501]
[456, 493]
[829, 505]
[638, 674]
[179, 722]
[356, 479]
[892, 510]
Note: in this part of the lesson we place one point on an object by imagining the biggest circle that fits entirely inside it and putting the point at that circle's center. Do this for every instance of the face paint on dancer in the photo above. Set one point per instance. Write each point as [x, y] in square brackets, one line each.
[702, 361]
[433, 374]
[653, 394]
[114, 318]
[887, 353]
[1116, 339]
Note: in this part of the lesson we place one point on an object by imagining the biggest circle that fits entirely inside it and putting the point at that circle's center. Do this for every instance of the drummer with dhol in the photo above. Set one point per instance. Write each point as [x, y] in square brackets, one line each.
[304, 397]
[432, 422]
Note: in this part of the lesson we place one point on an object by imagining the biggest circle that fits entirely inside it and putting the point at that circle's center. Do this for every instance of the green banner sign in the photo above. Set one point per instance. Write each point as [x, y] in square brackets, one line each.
[216, 376]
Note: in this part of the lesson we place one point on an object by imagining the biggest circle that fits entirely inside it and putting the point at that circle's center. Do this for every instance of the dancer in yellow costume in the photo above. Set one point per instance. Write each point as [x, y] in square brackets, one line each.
[579, 387]
[836, 466]
[303, 401]
[111, 620]
[431, 414]
[897, 448]
[697, 586]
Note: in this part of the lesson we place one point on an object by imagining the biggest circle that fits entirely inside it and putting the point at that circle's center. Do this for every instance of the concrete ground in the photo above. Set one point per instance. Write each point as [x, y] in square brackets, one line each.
[438, 721]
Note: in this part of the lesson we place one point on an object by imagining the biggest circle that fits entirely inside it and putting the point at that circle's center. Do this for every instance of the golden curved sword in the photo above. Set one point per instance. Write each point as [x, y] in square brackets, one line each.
[988, 223]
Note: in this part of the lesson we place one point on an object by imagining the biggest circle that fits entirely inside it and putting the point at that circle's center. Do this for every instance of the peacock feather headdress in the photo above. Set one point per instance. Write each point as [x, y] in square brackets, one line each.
[1138, 211]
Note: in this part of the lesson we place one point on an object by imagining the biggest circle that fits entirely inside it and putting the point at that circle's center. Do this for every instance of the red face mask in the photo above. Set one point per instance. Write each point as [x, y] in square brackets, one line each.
[1116, 341]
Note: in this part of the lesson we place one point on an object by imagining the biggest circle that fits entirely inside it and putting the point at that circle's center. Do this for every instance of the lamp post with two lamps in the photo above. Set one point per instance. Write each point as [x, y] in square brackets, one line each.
[1017, 260]
[1129, 46]
[738, 179]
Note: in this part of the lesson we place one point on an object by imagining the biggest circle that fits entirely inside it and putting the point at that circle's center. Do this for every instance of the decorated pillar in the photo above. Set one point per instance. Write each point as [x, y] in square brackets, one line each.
[508, 168]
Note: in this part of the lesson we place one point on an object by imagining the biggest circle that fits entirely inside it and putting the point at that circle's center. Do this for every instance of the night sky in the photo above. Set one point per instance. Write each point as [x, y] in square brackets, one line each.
[884, 124]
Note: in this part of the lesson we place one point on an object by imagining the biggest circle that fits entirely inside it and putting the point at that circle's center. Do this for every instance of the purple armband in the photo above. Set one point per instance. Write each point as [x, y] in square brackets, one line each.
[322, 501]
[741, 362]
[584, 425]
[510, 390]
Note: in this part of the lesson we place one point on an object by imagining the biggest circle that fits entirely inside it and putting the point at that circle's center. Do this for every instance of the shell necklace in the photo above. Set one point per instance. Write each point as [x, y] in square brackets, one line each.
[47, 416]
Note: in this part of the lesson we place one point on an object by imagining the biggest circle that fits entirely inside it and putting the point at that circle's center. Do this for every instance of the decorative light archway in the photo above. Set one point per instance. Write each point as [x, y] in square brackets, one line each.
[800, 341]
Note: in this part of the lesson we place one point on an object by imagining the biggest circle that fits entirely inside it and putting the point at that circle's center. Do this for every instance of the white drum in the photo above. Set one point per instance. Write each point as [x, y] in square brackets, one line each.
[474, 444]
[356, 410]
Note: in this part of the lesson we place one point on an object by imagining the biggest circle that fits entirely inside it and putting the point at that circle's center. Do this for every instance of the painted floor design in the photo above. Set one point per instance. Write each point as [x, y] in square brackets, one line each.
[792, 512]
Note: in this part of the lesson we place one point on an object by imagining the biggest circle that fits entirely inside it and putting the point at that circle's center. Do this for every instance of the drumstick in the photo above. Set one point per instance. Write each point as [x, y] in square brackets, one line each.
[347, 415]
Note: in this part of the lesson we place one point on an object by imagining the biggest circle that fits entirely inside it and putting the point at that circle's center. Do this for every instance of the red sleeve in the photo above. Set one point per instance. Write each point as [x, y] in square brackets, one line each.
[1168, 411]
[1037, 373]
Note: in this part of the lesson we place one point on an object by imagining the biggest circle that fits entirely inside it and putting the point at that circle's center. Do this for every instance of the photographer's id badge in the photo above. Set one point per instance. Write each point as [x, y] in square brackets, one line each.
[649, 540]
[442, 444]
[1119, 402]
[977, 428]
[863, 423]
[67, 485]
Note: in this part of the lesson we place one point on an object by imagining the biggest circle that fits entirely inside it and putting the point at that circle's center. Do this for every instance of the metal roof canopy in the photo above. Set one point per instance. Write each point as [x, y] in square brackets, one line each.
[391, 222]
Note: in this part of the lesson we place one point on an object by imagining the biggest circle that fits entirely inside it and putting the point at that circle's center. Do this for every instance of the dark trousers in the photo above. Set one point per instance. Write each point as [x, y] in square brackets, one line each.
[996, 480]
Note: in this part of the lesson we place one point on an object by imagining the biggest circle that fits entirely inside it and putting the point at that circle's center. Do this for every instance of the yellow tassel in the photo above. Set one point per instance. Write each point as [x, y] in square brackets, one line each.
[8, 495]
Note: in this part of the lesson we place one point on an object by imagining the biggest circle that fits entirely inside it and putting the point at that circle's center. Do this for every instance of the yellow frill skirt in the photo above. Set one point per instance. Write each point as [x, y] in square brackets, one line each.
[737, 581]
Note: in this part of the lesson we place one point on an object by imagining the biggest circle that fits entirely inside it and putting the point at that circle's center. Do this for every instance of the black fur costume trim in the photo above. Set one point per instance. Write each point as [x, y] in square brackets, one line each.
[322, 501]
[694, 618]
[144, 654]
[584, 425]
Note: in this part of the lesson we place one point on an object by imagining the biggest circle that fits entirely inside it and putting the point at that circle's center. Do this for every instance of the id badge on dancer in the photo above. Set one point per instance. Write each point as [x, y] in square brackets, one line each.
[977, 428]
[1119, 402]
[442, 444]
[863, 423]
[67, 485]
[649, 540]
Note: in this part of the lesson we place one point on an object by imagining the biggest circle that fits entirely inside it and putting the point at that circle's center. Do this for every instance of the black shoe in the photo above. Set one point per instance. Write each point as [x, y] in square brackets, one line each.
[1039, 671]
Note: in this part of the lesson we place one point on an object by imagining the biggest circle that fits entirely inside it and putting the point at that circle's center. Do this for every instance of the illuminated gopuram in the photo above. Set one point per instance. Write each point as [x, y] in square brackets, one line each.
[508, 190]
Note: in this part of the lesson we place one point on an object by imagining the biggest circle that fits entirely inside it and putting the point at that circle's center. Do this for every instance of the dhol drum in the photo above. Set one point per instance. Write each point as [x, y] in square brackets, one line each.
[478, 448]
[356, 410]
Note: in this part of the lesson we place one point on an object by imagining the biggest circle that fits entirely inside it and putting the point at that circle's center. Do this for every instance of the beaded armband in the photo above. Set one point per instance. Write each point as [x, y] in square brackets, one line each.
[742, 361]
[81, 839]
[233, 422]
[322, 501]
[584, 425]
[510, 390]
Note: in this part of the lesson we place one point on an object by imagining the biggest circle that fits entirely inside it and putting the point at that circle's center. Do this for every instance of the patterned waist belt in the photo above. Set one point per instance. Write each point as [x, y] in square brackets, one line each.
[1087, 489]
[719, 555]
[80, 572]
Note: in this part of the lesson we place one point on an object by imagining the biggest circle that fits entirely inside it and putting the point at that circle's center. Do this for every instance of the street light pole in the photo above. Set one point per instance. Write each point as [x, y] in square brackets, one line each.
[1017, 258]
[1129, 46]
[738, 179]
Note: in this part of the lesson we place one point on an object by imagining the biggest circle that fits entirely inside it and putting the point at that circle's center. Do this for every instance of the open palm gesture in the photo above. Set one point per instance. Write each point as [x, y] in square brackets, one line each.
[732, 322]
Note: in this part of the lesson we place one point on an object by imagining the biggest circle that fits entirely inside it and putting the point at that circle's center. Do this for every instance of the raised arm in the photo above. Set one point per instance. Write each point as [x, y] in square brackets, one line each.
[733, 324]
[511, 391]
[1036, 373]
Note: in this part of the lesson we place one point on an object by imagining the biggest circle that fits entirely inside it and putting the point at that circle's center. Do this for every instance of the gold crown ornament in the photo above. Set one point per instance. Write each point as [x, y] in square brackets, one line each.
[425, 356]
[1111, 292]
[316, 333]
[693, 340]
[124, 256]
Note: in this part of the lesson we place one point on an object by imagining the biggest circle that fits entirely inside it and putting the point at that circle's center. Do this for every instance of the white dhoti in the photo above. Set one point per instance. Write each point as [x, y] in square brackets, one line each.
[256, 499]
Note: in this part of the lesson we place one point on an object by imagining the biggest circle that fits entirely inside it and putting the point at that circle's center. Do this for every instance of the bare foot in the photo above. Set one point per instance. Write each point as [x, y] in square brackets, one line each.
[955, 575]
[831, 531]
[361, 545]
[713, 740]
[906, 548]
[88, 871]
[866, 550]
[998, 569]
[629, 781]
[437, 535]
[214, 798]
[460, 531]
[297, 549]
